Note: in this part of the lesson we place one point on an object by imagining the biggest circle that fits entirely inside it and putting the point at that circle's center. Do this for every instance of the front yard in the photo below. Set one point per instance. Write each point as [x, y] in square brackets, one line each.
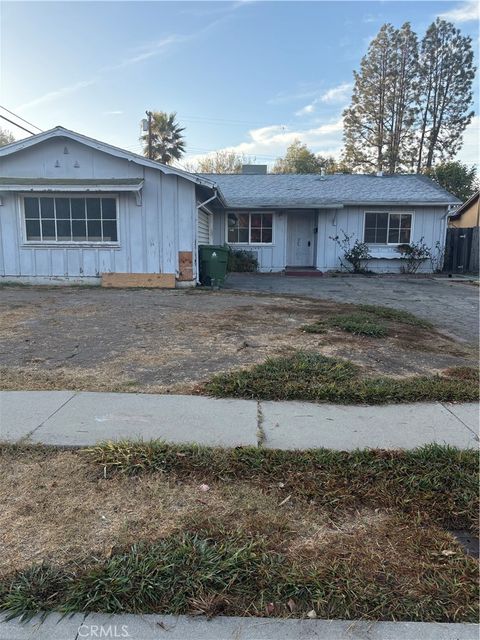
[177, 341]
[152, 528]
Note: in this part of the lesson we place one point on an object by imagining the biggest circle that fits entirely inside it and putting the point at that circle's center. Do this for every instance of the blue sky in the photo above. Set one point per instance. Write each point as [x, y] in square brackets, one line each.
[246, 75]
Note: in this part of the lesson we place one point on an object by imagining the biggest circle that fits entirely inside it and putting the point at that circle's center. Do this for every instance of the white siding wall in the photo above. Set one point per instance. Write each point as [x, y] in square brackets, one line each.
[150, 235]
[270, 257]
[428, 222]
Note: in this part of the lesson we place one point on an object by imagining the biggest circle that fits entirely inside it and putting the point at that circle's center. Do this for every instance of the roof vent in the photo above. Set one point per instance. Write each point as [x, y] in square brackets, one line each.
[379, 174]
[256, 169]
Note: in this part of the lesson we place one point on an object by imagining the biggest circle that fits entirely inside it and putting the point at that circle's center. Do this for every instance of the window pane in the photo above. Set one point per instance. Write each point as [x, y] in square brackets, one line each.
[406, 222]
[382, 226]
[243, 235]
[33, 229]
[393, 235]
[93, 209]
[369, 235]
[267, 220]
[64, 230]
[48, 229]
[256, 235]
[94, 230]
[232, 235]
[109, 231]
[405, 236]
[243, 220]
[232, 220]
[79, 230]
[395, 221]
[78, 208]
[370, 220]
[62, 208]
[31, 208]
[109, 209]
[47, 207]
[266, 235]
[256, 220]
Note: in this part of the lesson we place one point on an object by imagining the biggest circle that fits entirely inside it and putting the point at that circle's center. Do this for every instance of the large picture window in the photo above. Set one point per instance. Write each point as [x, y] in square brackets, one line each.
[250, 228]
[387, 228]
[70, 219]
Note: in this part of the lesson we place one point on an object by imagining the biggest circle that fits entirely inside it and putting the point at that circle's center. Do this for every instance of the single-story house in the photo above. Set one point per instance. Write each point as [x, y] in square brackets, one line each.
[467, 215]
[76, 209]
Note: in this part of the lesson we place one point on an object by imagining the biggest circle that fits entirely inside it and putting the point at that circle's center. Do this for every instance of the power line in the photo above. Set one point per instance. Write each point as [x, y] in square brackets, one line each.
[15, 124]
[20, 118]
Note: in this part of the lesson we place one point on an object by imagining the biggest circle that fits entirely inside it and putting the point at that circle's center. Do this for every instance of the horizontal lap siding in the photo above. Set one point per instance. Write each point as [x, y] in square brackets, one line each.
[203, 227]
[150, 235]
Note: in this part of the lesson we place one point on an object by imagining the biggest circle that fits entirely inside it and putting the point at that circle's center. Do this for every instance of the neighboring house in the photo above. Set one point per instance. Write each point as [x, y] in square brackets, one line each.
[467, 215]
[76, 209]
[289, 220]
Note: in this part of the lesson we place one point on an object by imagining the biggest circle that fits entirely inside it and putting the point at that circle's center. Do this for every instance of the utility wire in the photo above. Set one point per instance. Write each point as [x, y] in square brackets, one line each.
[15, 124]
[20, 118]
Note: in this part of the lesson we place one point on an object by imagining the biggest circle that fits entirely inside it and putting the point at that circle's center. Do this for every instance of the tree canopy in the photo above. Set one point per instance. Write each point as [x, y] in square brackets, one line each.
[223, 161]
[300, 159]
[457, 178]
[168, 142]
[5, 137]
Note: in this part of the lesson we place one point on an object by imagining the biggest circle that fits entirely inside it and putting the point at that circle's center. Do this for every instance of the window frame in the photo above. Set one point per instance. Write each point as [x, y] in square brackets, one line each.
[389, 213]
[250, 213]
[69, 195]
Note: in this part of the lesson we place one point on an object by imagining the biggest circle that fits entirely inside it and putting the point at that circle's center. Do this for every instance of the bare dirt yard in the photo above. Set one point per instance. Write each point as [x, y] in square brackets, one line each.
[170, 341]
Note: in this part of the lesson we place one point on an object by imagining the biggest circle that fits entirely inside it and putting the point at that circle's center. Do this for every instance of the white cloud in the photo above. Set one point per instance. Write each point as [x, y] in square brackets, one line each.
[57, 93]
[268, 143]
[465, 12]
[113, 113]
[337, 94]
[309, 108]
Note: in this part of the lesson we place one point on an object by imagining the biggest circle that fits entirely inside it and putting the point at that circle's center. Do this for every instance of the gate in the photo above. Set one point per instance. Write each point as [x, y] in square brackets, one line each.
[461, 250]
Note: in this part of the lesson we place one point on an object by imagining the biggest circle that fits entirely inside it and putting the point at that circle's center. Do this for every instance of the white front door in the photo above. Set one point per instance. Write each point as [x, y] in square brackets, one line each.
[300, 237]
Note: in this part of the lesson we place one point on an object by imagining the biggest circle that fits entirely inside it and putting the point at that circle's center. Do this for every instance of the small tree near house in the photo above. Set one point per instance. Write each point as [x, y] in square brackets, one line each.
[355, 254]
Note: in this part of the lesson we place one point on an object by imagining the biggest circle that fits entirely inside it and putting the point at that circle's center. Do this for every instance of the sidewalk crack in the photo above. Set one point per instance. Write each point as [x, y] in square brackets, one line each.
[475, 435]
[30, 433]
[261, 436]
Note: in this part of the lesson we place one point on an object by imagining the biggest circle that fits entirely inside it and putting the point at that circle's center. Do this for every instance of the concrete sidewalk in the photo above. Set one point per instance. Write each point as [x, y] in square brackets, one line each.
[71, 419]
[153, 627]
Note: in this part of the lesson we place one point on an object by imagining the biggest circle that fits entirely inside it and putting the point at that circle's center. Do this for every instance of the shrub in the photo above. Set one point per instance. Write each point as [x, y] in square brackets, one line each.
[414, 254]
[240, 260]
[355, 255]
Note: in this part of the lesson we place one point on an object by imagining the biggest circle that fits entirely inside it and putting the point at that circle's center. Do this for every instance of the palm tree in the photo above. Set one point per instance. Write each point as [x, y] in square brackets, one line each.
[167, 141]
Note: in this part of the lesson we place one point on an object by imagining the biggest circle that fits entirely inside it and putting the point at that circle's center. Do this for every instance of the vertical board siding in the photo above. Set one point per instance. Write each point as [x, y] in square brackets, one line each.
[150, 235]
[428, 223]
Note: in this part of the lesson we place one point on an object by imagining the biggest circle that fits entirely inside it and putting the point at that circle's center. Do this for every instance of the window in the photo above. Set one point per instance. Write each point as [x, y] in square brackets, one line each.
[387, 228]
[71, 219]
[250, 228]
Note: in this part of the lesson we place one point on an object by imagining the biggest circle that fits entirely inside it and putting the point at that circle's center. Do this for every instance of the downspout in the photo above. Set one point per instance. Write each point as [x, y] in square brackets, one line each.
[199, 206]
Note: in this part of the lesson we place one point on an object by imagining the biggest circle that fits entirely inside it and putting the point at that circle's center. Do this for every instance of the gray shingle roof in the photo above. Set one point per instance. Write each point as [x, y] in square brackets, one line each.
[310, 190]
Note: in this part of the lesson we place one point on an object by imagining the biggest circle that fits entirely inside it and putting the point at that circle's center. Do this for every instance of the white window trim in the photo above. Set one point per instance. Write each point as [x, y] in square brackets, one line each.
[249, 244]
[388, 244]
[66, 243]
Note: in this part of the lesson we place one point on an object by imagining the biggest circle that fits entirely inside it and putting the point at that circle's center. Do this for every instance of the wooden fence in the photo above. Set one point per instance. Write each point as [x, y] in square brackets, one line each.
[462, 251]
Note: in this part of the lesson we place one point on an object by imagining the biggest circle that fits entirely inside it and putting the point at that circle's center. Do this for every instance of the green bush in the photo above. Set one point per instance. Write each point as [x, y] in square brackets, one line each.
[241, 260]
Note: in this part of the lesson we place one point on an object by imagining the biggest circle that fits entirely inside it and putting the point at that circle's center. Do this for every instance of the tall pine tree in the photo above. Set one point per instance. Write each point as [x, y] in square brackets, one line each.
[446, 75]
[378, 124]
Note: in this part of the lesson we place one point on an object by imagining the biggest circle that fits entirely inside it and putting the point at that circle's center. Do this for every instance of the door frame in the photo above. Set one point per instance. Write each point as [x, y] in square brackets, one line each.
[313, 215]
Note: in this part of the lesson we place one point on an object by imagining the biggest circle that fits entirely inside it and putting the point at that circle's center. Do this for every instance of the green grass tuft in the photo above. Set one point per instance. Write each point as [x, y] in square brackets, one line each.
[395, 315]
[317, 378]
[192, 573]
[360, 324]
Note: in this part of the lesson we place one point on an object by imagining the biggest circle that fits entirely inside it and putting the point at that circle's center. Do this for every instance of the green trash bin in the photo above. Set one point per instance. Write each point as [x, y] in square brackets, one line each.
[213, 264]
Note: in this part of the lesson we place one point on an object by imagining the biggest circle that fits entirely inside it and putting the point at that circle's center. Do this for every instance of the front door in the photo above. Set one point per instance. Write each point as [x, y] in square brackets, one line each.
[300, 235]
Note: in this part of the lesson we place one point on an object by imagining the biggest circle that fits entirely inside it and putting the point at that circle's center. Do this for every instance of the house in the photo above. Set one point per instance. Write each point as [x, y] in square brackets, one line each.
[78, 210]
[467, 215]
[290, 220]
[73, 208]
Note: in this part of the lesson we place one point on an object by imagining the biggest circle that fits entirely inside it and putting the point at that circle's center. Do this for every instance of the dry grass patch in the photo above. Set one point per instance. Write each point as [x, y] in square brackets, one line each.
[130, 528]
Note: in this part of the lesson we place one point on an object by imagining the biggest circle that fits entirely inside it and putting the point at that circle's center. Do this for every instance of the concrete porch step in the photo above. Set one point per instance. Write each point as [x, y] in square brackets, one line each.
[303, 272]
